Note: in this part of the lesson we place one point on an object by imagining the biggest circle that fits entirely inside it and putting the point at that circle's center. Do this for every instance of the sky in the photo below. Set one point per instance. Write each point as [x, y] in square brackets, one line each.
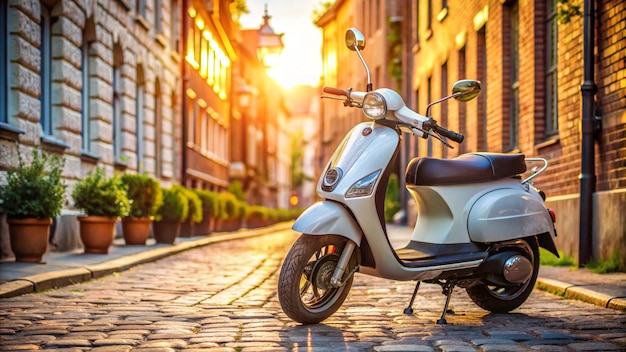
[301, 61]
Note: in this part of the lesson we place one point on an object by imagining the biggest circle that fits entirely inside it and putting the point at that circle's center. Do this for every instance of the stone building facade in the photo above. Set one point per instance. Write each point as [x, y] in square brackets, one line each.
[94, 81]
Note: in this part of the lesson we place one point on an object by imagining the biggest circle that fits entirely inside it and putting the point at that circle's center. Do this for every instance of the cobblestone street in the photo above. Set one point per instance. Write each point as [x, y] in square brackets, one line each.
[222, 297]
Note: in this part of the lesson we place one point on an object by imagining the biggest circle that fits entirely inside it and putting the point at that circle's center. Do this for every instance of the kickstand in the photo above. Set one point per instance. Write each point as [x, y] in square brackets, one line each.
[409, 309]
[447, 290]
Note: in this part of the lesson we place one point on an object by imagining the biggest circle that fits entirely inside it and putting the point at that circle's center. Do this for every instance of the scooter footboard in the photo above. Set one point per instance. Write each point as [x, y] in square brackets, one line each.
[328, 218]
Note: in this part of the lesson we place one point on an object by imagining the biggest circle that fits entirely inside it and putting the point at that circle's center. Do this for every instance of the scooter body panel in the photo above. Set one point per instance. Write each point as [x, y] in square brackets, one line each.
[328, 218]
[506, 214]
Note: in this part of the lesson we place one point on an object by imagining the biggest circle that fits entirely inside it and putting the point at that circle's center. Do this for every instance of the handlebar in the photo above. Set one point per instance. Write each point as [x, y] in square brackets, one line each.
[457, 137]
[336, 91]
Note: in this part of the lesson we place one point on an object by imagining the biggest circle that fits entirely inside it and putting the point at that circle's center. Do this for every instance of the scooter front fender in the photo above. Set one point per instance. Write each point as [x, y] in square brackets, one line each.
[328, 218]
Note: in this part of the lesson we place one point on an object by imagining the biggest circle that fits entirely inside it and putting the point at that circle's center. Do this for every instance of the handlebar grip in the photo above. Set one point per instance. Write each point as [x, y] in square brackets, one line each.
[335, 91]
[457, 137]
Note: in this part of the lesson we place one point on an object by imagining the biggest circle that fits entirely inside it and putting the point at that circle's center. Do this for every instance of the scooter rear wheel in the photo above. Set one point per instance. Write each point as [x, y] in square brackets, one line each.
[503, 299]
[304, 289]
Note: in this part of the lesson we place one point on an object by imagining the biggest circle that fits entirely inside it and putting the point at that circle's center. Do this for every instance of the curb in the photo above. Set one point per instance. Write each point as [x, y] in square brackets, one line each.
[60, 278]
[581, 293]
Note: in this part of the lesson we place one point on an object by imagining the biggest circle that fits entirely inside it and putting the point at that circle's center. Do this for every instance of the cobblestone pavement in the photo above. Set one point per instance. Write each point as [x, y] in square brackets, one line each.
[222, 297]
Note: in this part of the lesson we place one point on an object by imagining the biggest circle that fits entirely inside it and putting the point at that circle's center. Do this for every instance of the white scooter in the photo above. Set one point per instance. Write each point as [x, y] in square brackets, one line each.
[479, 223]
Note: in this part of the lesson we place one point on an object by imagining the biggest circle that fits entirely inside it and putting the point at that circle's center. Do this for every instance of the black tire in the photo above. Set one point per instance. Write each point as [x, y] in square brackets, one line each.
[503, 299]
[303, 290]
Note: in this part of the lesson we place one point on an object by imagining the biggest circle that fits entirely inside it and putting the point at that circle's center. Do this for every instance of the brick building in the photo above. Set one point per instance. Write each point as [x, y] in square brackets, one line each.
[531, 68]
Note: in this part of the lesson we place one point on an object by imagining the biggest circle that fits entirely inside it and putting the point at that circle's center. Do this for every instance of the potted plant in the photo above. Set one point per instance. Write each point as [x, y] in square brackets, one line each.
[194, 215]
[210, 211]
[257, 216]
[226, 218]
[32, 196]
[103, 201]
[145, 196]
[171, 213]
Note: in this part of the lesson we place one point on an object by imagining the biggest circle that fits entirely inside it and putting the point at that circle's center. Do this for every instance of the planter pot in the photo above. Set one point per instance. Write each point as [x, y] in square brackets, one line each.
[166, 231]
[136, 230]
[97, 233]
[29, 238]
[255, 222]
[187, 228]
[205, 227]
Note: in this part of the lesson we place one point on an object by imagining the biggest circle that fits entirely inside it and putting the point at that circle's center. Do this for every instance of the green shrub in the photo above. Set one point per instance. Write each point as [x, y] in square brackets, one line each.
[236, 188]
[195, 213]
[549, 259]
[175, 206]
[392, 196]
[210, 202]
[604, 266]
[98, 195]
[229, 205]
[257, 212]
[145, 195]
[35, 190]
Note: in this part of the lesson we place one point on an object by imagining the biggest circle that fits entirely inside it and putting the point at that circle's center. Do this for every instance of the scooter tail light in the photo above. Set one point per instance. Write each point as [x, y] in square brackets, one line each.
[552, 215]
[363, 187]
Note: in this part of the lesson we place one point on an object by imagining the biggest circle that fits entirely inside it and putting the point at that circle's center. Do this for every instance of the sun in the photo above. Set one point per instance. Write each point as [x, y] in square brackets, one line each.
[293, 73]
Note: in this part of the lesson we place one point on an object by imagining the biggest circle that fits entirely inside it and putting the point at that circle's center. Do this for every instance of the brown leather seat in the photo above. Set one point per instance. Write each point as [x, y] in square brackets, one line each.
[466, 168]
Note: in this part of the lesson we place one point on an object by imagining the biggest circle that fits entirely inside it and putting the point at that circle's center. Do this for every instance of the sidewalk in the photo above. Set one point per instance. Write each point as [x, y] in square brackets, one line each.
[66, 268]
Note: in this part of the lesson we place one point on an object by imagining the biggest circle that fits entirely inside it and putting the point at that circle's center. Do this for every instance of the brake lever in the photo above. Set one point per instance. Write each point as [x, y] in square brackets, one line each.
[440, 138]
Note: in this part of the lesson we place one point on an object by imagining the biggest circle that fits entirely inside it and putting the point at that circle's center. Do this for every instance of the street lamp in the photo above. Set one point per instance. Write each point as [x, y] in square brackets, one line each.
[268, 50]
[270, 44]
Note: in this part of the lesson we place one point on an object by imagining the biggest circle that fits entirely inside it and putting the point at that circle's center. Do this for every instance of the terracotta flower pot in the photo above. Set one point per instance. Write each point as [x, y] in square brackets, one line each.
[166, 231]
[29, 238]
[97, 233]
[136, 230]
[187, 228]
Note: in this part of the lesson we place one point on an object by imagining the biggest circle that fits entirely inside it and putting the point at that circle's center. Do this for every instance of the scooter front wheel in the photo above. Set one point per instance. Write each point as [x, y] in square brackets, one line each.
[304, 290]
[503, 299]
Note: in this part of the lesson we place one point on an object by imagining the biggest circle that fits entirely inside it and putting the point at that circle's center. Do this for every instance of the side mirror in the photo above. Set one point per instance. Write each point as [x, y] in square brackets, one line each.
[355, 39]
[466, 90]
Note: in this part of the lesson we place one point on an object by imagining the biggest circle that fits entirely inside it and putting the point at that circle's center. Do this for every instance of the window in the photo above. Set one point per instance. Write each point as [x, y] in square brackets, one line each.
[158, 17]
[514, 62]
[4, 62]
[140, 96]
[140, 8]
[429, 99]
[415, 141]
[429, 16]
[86, 72]
[174, 26]
[158, 128]
[416, 22]
[443, 119]
[552, 84]
[117, 109]
[462, 107]
[45, 52]
[481, 71]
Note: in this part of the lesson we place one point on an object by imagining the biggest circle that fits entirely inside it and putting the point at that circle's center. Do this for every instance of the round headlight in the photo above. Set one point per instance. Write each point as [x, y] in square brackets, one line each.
[374, 106]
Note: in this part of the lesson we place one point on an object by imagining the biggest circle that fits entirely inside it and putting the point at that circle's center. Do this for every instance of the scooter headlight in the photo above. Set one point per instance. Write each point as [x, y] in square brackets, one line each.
[363, 187]
[331, 178]
[374, 106]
